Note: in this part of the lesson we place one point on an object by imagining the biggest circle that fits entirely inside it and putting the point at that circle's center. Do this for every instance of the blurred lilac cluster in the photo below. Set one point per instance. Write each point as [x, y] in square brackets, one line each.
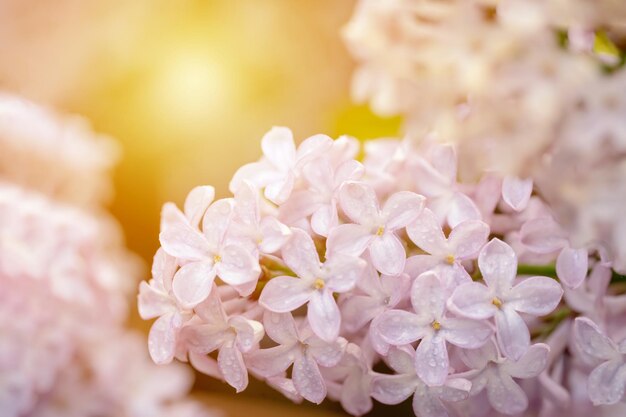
[65, 281]
[387, 279]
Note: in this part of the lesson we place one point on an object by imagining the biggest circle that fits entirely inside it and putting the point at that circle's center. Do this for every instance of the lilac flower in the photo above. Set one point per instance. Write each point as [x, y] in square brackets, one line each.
[375, 228]
[428, 401]
[516, 192]
[277, 172]
[300, 348]
[232, 336]
[534, 296]
[430, 325]
[464, 242]
[315, 284]
[607, 381]
[204, 255]
[495, 374]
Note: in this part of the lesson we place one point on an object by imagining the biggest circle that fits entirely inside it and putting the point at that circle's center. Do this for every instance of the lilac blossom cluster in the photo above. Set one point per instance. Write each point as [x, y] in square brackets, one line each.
[385, 277]
[65, 282]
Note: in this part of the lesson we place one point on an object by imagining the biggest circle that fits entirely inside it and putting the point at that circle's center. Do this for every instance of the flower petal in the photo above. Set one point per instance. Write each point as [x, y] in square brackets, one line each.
[193, 282]
[468, 334]
[178, 238]
[393, 389]
[274, 235]
[427, 404]
[350, 239]
[388, 254]
[431, 360]
[237, 266]
[472, 300]
[273, 361]
[428, 296]
[512, 333]
[196, 203]
[571, 266]
[537, 296]
[461, 209]
[285, 294]
[279, 191]
[247, 204]
[516, 192]
[326, 354]
[152, 303]
[216, 221]
[399, 327]
[606, 382]
[324, 219]
[455, 389]
[313, 147]
[427, 234]
[249, 332]
[355, 394]
[343, 271]
[401, 209]
[278, 147]
[542, 235]
[323, 315]
[467, 238]
[359, 202]
[162, 338]
[498, 264]
[300, 255]
[308, 379]
[592, 341]
[505, 395]
[280, 327]
[232, 367]
[531, 364]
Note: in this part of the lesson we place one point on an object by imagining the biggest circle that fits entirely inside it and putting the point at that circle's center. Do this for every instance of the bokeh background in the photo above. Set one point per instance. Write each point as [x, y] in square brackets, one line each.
[188, 88]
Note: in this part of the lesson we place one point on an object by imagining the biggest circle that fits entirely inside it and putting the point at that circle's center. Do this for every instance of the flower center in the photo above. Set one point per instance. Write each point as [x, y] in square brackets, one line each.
[435, 325]
[449, 259]
[318, 284]
[380, 231]
[217, 258]
[496, 302]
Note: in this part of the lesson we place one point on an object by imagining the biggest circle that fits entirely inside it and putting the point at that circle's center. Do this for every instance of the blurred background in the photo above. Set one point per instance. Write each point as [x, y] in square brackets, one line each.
[187, 88]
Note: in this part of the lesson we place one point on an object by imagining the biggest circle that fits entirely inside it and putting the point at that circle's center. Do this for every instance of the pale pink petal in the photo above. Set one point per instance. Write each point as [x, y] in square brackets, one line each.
[462, 208]
[285, 294]
[349, 170]
[313, 147]
[279, 191]
[444, 159]
[205, 338]
[467, 238]
[280, 327]
[162, 338]
[300, 205]
[401, 359]
[472, 300]
[237, 266]
[205, 364]
[193, 282]
[196, 203]
[542, 235]
[427, 234]
[258, 173]
[359, 202]
[249, 332]
[216, 221]
[428, 296]
[401, 209]
[152, 303]
[358, 310]
[468, 334]
[393, 389]
[178, 238]
[211, 309]
[455, 389]
[350, 239]
[355, 395]
[418, 264]
[479, 358]
[273, 361]
[163, 268]
[536, 295]
[300, 255]
[498, 264]
[592, 341]
[323, 315]
[571, 266]
[319, 173]
[278, 147]
[325, 353]
[343, 271]
[606, 382]
[431, 360]
[487, 193]
[512, 333]
[274, 235]
[531, 364]
[324, 219]
[247, 204]
[432, 183]
[232, 367]
[516, 192]
[308, 379]
[505, 395]
[399, 327]
[286, 387]
[388, 254]
[426, 404]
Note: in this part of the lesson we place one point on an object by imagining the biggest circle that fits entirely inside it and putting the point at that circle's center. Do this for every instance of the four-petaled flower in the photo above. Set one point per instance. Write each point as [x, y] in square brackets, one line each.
[536, 296]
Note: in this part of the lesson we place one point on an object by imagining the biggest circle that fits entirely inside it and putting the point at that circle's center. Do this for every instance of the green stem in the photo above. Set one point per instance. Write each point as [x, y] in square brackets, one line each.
[543, 270]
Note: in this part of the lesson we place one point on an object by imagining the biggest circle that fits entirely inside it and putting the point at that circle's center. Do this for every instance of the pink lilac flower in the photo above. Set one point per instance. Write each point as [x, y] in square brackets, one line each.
[516, 192]
[447, 254]
[493, 373]
[499, 298]
[607, 381]
[314, 285]
[433, 328]
[302, 349]
[373, 228]
[282, 163]
[428, 401]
